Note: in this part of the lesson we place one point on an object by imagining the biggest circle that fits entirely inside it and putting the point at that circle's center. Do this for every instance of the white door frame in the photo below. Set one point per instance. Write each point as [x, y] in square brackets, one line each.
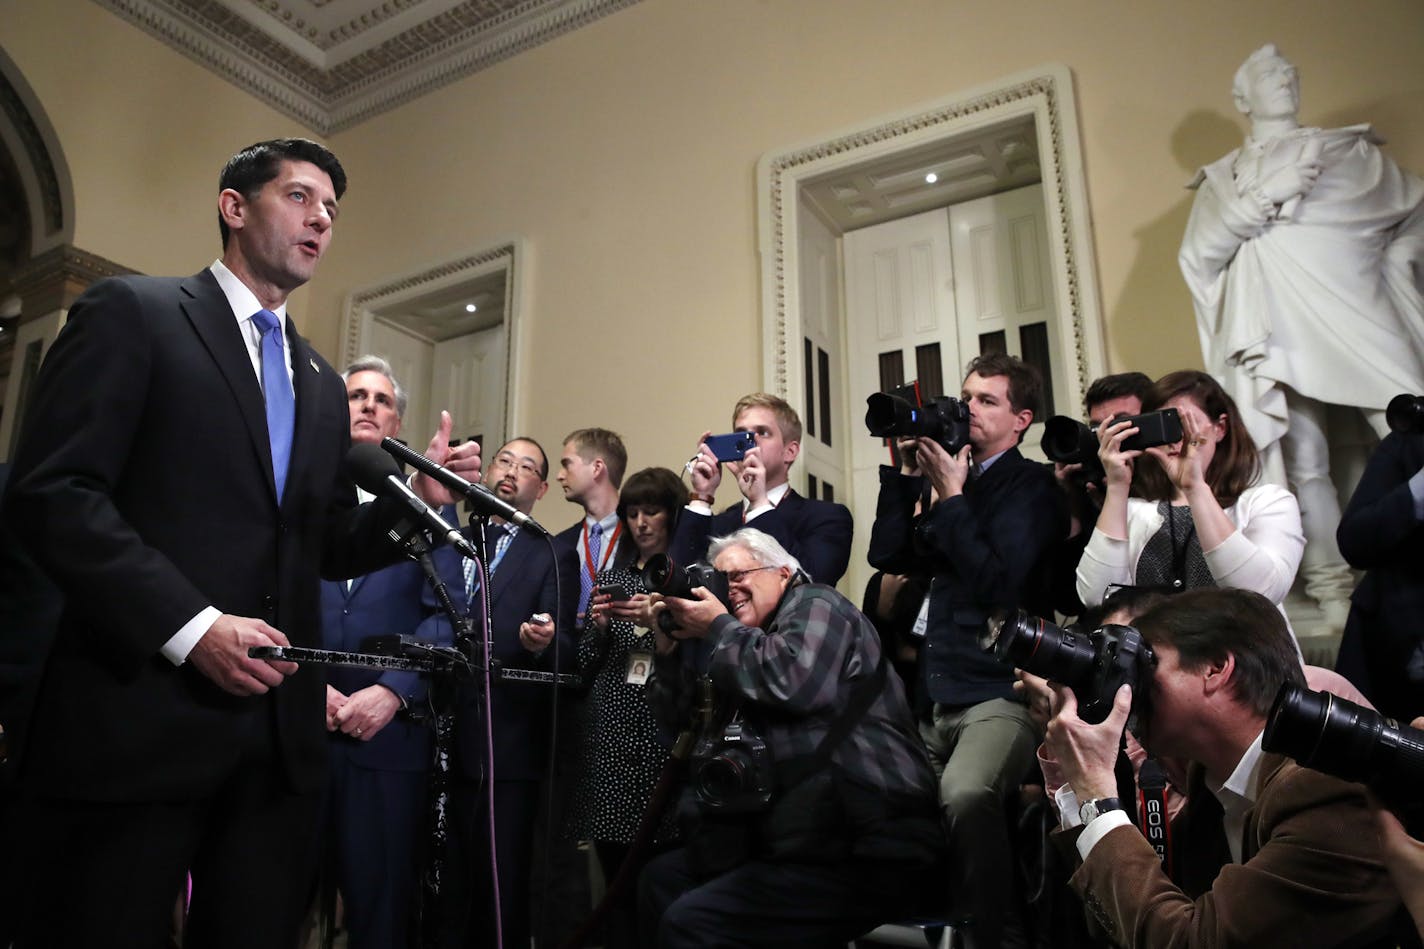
[506, 255]
[1046, 93]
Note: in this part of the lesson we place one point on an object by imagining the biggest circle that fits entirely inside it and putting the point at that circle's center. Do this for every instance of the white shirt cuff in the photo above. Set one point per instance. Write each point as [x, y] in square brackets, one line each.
[177, 648]
[1098, 828]
[1067, 803]
[699, 507]
[758, 511]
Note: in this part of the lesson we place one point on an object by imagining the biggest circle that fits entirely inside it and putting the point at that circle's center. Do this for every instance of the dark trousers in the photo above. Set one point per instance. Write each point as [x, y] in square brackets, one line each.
[772, 904]
[378, 824]
[109, 874]
[467, 898]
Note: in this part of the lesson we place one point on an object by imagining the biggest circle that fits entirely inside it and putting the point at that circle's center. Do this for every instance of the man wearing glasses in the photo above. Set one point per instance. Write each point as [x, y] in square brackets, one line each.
[829, 826]
[532, 597]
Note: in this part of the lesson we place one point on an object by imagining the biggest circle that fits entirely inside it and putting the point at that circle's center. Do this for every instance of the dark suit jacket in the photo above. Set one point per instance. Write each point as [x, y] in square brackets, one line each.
[817, 533]
[987, 550]
[384, 603]
[1311, 874]
[524, 583]
[143, 485]
[1380, 534]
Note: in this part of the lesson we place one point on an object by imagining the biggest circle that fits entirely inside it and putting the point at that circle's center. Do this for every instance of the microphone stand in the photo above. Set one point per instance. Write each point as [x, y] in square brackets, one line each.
[468, 659]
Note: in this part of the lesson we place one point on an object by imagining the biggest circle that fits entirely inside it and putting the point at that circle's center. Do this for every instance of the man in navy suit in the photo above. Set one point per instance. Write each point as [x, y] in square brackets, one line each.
[532, 595]
[817, 533]
[985, 542]
[1382, 533]
[186, 499]
[591, 472]
[377, 804]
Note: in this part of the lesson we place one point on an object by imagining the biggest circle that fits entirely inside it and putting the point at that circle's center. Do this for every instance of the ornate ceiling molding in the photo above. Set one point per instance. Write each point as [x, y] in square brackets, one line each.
[331, 64]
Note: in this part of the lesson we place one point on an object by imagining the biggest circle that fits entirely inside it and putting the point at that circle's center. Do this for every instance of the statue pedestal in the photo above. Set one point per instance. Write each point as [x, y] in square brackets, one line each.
[1317, 632]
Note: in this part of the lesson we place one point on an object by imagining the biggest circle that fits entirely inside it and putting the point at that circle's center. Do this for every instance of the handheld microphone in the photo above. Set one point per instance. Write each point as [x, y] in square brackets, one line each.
[374, 471]
[477, 494]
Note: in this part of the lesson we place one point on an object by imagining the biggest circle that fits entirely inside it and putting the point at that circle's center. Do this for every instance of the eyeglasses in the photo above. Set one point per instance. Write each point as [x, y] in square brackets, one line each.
[505, 460]
[737, 576]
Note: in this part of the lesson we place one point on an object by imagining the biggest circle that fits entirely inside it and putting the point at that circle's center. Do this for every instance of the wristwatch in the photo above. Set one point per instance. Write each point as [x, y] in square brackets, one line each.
[1088, 811]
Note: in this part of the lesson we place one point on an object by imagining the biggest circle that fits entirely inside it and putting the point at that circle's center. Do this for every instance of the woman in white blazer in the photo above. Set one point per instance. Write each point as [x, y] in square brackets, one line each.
[1190, 514]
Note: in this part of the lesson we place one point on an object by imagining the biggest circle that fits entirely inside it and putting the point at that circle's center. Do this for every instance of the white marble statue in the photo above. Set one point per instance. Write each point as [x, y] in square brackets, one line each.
[1304, 253]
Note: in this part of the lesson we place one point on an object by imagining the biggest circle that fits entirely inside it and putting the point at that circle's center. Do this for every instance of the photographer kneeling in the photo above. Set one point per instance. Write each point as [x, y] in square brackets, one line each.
[1265, 852]
[810, 804]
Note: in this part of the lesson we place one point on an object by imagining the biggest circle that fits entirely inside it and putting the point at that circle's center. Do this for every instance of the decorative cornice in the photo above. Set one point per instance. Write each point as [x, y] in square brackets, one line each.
[52, 280]
[340, 92]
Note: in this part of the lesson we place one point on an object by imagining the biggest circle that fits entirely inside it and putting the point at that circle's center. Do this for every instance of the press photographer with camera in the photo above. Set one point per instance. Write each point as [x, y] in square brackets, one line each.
[1198, 518]
[810, 806]
[1073, 449]
[985, 542]
[1266, 852]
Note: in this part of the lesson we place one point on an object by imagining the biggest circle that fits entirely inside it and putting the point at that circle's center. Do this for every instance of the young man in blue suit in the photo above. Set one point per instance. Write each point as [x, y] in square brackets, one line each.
[817, 533]
[377, 807]
[533, 592]
[179, 476]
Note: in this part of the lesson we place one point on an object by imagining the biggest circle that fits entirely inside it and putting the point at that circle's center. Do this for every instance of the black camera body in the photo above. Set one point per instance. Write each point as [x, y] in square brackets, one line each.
[730, 771]
[1334, 735]
[1068, 441]
[1094, 663]
[945, 419]
[661, 575]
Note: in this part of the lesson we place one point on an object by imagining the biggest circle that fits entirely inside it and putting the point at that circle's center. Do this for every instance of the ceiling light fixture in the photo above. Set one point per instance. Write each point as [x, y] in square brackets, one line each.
[470, 308]
[931, 178]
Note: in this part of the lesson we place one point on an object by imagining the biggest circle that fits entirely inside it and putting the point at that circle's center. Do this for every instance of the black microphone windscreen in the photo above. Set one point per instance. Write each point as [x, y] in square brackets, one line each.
[369, 467]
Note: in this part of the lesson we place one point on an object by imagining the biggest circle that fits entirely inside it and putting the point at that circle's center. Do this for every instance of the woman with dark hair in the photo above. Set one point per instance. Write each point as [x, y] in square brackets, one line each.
[1196, 516]
[622, 756]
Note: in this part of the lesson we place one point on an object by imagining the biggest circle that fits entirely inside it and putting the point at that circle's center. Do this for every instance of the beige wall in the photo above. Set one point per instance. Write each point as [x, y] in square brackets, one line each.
[625, 155]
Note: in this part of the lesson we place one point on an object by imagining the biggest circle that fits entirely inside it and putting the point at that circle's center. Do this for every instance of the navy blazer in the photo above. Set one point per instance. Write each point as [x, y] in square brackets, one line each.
[143, 485]
[817, 533]
[527, 580]
[384, 603]
[1380, 534]
[986, 550]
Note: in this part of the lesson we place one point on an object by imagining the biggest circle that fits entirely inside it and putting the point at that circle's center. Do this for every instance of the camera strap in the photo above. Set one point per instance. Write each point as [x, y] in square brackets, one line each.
[1152, 811]
[794, 772]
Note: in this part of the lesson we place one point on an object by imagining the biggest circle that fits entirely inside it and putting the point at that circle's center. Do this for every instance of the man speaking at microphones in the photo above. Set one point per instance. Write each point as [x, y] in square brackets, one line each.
[178, 475]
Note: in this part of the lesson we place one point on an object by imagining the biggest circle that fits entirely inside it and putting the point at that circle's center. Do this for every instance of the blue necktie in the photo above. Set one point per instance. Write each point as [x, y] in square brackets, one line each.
[277, 392]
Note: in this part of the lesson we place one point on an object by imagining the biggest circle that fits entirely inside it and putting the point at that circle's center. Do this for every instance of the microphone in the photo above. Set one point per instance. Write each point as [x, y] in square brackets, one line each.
[485, 500]
[374, 471]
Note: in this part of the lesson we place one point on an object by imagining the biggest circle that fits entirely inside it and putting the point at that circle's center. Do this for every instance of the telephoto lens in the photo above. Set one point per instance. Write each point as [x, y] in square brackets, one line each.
[1320, 730]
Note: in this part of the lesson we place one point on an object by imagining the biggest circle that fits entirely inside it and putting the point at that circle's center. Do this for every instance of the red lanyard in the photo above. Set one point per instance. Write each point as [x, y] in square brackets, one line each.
[607, 551]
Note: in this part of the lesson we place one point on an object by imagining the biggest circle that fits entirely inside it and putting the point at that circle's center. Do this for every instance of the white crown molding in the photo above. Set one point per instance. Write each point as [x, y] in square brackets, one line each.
[453, 43]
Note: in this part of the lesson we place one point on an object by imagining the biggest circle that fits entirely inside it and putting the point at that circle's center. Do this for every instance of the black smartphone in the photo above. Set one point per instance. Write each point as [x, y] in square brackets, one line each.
[1163, 427]
[732, 447]
[615, 591]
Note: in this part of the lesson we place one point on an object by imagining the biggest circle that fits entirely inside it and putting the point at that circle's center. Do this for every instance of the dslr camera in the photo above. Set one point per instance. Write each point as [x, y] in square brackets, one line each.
[730, 771]
[1094, 663]
[945, 419]
[661, 575]
[1068, 441]
[1325, 732]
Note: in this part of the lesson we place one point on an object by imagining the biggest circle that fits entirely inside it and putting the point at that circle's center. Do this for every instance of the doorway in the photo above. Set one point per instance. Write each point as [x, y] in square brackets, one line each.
[451, 333]
[810, 199]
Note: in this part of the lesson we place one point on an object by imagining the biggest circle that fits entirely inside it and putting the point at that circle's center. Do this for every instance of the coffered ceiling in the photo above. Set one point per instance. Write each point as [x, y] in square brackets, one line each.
[333, 63]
